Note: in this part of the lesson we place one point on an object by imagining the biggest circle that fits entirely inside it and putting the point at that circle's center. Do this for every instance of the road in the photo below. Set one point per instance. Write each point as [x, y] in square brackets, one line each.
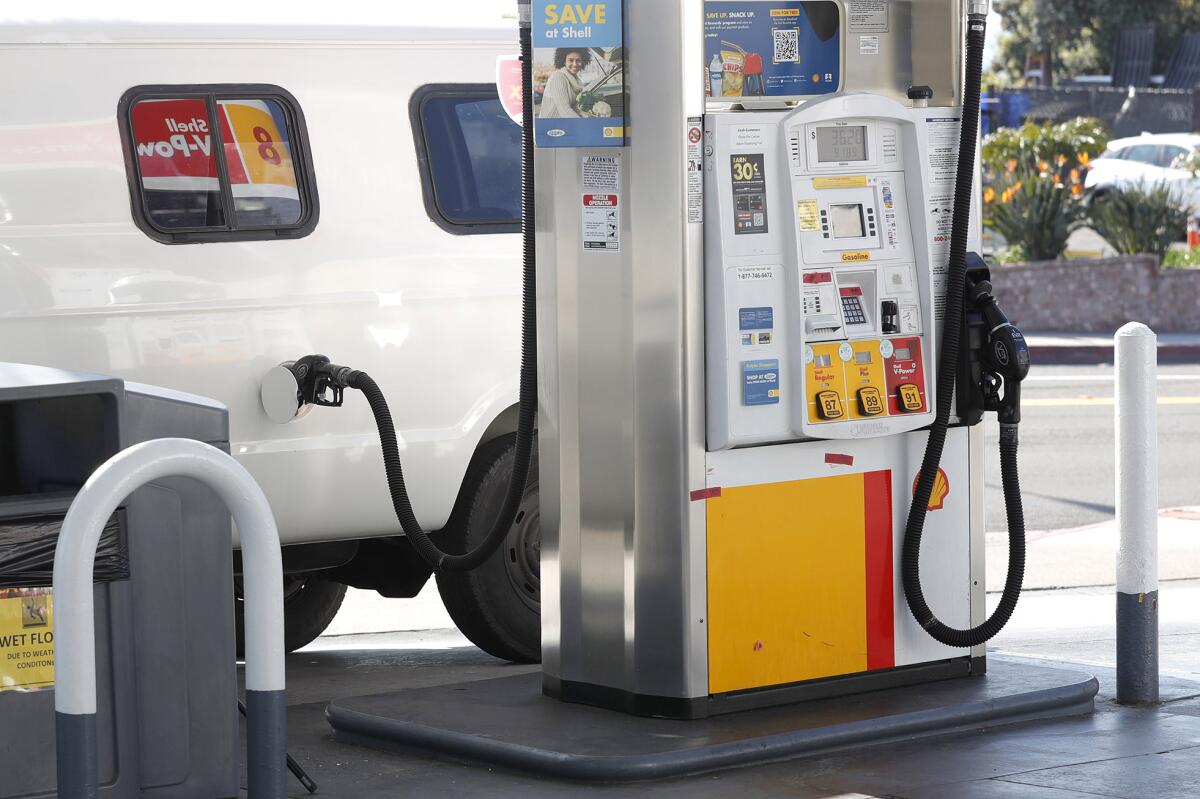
[1066, 454]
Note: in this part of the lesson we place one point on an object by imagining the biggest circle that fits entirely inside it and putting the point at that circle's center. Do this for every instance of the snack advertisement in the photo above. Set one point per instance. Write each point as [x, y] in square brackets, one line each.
[763, 48]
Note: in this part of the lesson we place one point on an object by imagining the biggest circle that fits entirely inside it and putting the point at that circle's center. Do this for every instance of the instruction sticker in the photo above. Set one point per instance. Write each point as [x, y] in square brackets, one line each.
[808, 215]
[867, 16]
[601, 218]
[749, 193]
[868, 45]
[694, 134]
[26, 639]
[760, 382]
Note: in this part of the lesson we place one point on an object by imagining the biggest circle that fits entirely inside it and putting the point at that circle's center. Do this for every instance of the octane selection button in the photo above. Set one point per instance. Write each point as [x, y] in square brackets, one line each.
[829, 404]
[870, 401]
[910, 398]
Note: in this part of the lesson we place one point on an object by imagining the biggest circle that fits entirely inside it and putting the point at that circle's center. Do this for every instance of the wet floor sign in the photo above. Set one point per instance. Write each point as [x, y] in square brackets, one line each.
[26, 639]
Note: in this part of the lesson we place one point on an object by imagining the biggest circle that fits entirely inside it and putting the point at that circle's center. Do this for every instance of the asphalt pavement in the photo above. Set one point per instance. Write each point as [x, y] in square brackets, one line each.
[1067, 449]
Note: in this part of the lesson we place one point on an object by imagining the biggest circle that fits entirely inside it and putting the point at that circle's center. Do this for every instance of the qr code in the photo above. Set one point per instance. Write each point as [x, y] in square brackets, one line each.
[787, 46]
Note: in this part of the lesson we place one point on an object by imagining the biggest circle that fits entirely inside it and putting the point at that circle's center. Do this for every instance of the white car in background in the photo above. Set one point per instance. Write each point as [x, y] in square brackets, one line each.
[1149, 159]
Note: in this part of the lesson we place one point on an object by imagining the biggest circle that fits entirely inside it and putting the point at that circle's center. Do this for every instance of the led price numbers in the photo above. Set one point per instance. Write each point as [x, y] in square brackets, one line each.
[842, 143]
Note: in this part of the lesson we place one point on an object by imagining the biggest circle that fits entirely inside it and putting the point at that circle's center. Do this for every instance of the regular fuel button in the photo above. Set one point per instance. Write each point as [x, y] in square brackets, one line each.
[829, 404]
[910, 398]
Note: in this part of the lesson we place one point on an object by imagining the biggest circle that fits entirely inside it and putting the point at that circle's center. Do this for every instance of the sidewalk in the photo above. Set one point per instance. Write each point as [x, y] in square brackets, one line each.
[1091, 348]
[1087, 556]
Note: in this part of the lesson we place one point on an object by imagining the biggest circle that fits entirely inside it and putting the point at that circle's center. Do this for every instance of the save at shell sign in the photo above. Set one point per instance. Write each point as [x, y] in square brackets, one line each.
[174, 148]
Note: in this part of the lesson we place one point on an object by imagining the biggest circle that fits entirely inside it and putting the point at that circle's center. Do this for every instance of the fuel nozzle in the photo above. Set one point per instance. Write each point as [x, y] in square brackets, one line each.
[293, 386]
[1005, 356]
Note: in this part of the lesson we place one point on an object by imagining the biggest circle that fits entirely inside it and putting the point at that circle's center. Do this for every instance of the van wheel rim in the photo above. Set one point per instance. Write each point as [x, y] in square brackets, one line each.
[523, 552]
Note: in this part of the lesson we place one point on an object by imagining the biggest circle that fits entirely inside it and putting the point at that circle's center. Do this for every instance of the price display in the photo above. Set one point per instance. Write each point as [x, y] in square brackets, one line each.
[842, 143]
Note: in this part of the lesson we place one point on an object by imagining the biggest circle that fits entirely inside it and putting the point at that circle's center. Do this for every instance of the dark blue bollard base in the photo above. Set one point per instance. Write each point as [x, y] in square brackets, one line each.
[1137, 648]
[507, 722]
[75, 752]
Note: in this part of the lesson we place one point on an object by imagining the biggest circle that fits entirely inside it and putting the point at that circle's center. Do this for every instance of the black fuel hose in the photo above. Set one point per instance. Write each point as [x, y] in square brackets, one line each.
[437, 559]
[947, 373]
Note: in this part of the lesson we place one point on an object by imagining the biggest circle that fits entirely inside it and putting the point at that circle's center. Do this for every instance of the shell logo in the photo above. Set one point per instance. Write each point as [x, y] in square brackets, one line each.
[941, 490]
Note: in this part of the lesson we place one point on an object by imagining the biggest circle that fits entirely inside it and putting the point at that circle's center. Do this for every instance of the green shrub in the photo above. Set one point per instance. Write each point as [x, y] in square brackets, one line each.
[1033, 183]
[1181, 259]
[1035, 212]
[1044, 148]
[1142, 219]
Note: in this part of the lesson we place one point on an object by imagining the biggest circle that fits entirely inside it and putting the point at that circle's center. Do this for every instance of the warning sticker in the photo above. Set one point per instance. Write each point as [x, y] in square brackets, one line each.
[26, 639]
[868, 45]
[808, 215]
[601, 199]
[693, 133]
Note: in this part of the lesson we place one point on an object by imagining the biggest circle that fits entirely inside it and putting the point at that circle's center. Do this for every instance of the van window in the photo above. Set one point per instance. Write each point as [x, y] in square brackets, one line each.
[217, 163]
[469, 155]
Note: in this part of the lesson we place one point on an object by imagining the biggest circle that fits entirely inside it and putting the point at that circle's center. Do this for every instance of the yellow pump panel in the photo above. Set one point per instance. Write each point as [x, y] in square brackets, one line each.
[787, 598]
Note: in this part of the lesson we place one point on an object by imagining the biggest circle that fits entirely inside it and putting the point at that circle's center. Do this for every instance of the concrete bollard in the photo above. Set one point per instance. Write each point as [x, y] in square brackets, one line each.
[1137, 513]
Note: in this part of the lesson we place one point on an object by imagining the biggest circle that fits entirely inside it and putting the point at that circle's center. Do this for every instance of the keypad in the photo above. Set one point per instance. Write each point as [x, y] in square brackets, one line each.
[852, 306]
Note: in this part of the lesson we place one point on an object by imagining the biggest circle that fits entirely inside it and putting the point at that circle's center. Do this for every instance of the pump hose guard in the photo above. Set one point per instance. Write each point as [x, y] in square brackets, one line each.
[951, 343]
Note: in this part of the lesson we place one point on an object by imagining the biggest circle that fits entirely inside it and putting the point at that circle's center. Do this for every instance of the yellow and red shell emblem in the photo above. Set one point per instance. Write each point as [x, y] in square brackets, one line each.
[941, 489]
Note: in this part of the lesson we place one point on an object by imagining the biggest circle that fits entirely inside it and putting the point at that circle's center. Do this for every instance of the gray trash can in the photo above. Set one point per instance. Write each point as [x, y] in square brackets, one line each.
[166, 677]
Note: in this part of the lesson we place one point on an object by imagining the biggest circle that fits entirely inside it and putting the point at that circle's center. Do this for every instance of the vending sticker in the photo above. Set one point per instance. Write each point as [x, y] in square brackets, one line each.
[756, 318]
[26, 639]
[579, 80]
[749, 193]
[760, 382]
[787, 48]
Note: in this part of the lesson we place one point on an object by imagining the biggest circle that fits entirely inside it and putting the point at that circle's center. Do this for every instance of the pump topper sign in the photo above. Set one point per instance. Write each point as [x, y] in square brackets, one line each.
[579, 88]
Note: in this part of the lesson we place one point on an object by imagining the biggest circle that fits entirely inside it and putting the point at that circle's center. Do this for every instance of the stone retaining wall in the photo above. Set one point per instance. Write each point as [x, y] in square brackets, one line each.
[1099, 295]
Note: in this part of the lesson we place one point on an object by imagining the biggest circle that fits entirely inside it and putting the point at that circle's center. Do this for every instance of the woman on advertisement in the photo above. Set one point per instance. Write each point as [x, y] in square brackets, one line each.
[564, 85]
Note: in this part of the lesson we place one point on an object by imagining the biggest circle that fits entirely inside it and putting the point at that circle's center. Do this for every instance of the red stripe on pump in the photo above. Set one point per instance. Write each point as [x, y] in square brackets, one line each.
[706, 493]
[881, 622]
[833, 459]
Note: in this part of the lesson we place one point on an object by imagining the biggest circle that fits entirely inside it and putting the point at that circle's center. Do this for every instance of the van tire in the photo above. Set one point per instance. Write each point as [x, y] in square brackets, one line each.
[498, 605]
[310, 603]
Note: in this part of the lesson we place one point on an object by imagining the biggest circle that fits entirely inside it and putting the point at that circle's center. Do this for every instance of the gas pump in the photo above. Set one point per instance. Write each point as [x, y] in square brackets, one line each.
[762, 360]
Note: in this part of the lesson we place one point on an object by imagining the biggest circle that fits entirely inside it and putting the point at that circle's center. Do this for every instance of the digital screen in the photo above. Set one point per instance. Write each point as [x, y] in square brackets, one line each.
[903, 354]
[824, 360]
[847, 221]
[862, 358]
[842, 144]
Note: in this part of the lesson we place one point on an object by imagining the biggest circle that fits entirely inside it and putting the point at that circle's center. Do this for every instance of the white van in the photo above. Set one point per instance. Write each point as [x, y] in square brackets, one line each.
[188, 206]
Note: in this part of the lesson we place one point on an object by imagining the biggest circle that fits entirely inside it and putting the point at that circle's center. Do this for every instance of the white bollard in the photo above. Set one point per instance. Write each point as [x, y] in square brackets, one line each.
[74, 606]
[1136, 349]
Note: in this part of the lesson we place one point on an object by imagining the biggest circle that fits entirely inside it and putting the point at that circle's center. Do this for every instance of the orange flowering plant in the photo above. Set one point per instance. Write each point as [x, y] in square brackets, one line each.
[1033, 183]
